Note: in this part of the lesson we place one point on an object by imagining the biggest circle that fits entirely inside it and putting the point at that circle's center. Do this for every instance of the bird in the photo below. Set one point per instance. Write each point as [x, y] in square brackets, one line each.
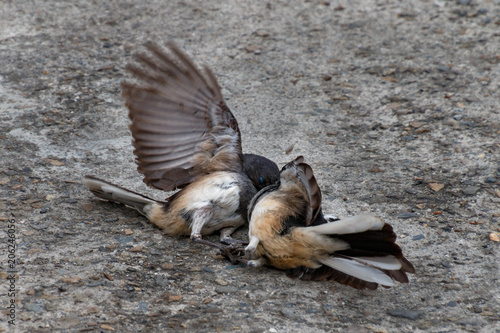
[288, 230]
[186, 139]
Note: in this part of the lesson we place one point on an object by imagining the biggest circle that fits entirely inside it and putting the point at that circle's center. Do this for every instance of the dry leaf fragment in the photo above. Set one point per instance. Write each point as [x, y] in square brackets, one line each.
[137, 248]
[417, 124]
[87, 206]
[376, 170]
[128, 232]
[436, 187]
[107, 327]
[252, 48]
[389, 79]
[494, 237]
[71, 280]
[174, 298]
[93, 309]
[167, 266]
[422, 130]
[54, 162]
[262, 33]
[109, 277]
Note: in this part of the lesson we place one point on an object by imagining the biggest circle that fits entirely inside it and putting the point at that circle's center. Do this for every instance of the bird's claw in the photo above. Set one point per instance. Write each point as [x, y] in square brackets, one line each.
[234, 253]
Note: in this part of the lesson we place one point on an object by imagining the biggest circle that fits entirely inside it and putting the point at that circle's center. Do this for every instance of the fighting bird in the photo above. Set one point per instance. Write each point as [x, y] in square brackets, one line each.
[185, 137]
[287, 230]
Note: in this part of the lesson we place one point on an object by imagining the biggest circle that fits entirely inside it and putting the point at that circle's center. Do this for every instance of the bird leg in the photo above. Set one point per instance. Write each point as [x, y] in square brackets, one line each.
[200, 217]
[228, 251]
[252, 245]
[232, 251]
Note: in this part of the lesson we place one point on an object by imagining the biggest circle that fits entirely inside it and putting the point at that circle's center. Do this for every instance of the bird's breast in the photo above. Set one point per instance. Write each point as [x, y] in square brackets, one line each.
[220, 190]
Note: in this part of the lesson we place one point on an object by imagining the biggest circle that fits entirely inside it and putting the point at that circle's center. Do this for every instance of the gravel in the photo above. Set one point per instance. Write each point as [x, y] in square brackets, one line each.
[393, 103]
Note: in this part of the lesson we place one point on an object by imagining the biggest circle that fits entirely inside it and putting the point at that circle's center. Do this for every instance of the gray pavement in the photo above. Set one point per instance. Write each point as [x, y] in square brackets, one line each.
[395, 104]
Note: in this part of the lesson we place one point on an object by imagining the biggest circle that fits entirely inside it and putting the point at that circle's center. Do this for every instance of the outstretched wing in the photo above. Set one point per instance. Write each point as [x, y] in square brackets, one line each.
[182, 128]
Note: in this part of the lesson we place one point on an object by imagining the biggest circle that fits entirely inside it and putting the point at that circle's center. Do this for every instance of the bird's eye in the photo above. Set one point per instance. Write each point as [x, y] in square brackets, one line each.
[261, 180]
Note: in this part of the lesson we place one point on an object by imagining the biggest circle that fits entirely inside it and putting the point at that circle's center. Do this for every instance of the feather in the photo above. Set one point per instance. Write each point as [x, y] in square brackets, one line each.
[388, 263]
[358, 270]
[349, 225]
[111, 192]
[178, 112]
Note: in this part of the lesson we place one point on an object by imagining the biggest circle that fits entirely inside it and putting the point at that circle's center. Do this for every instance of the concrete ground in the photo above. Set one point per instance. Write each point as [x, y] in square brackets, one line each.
[395, 104]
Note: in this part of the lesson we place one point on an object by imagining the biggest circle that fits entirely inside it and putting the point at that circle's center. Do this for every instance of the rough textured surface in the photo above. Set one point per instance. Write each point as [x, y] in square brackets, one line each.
[393, 103]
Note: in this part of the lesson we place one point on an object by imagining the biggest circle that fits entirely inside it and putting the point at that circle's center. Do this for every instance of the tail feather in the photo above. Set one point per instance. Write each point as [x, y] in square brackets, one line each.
[373, 257]
[111, 192]
[327, 273]
[350, 225]
[386, 263]
[372, 243]
[358, 270]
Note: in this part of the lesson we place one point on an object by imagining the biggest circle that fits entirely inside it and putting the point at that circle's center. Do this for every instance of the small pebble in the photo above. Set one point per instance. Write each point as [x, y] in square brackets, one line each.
[124, 239]
[93, 309]
[36, 307]
[221, 282]
[143, 306]
[477, 309]
[161, 280]
[287, 312]
[167, 266]
[470, 190]
[452, 304]
[226, 289]
[408, 314]
[453, 286]
[489, 180]
[446, 264]
[418, 237]
[407, 215]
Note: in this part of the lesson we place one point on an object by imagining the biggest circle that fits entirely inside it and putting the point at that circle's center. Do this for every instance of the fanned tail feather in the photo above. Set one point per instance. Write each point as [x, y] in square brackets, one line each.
[373, 257]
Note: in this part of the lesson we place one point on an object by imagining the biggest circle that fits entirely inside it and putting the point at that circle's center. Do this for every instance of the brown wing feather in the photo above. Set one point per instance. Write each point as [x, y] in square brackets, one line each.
[181, 126]
[305, 173]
